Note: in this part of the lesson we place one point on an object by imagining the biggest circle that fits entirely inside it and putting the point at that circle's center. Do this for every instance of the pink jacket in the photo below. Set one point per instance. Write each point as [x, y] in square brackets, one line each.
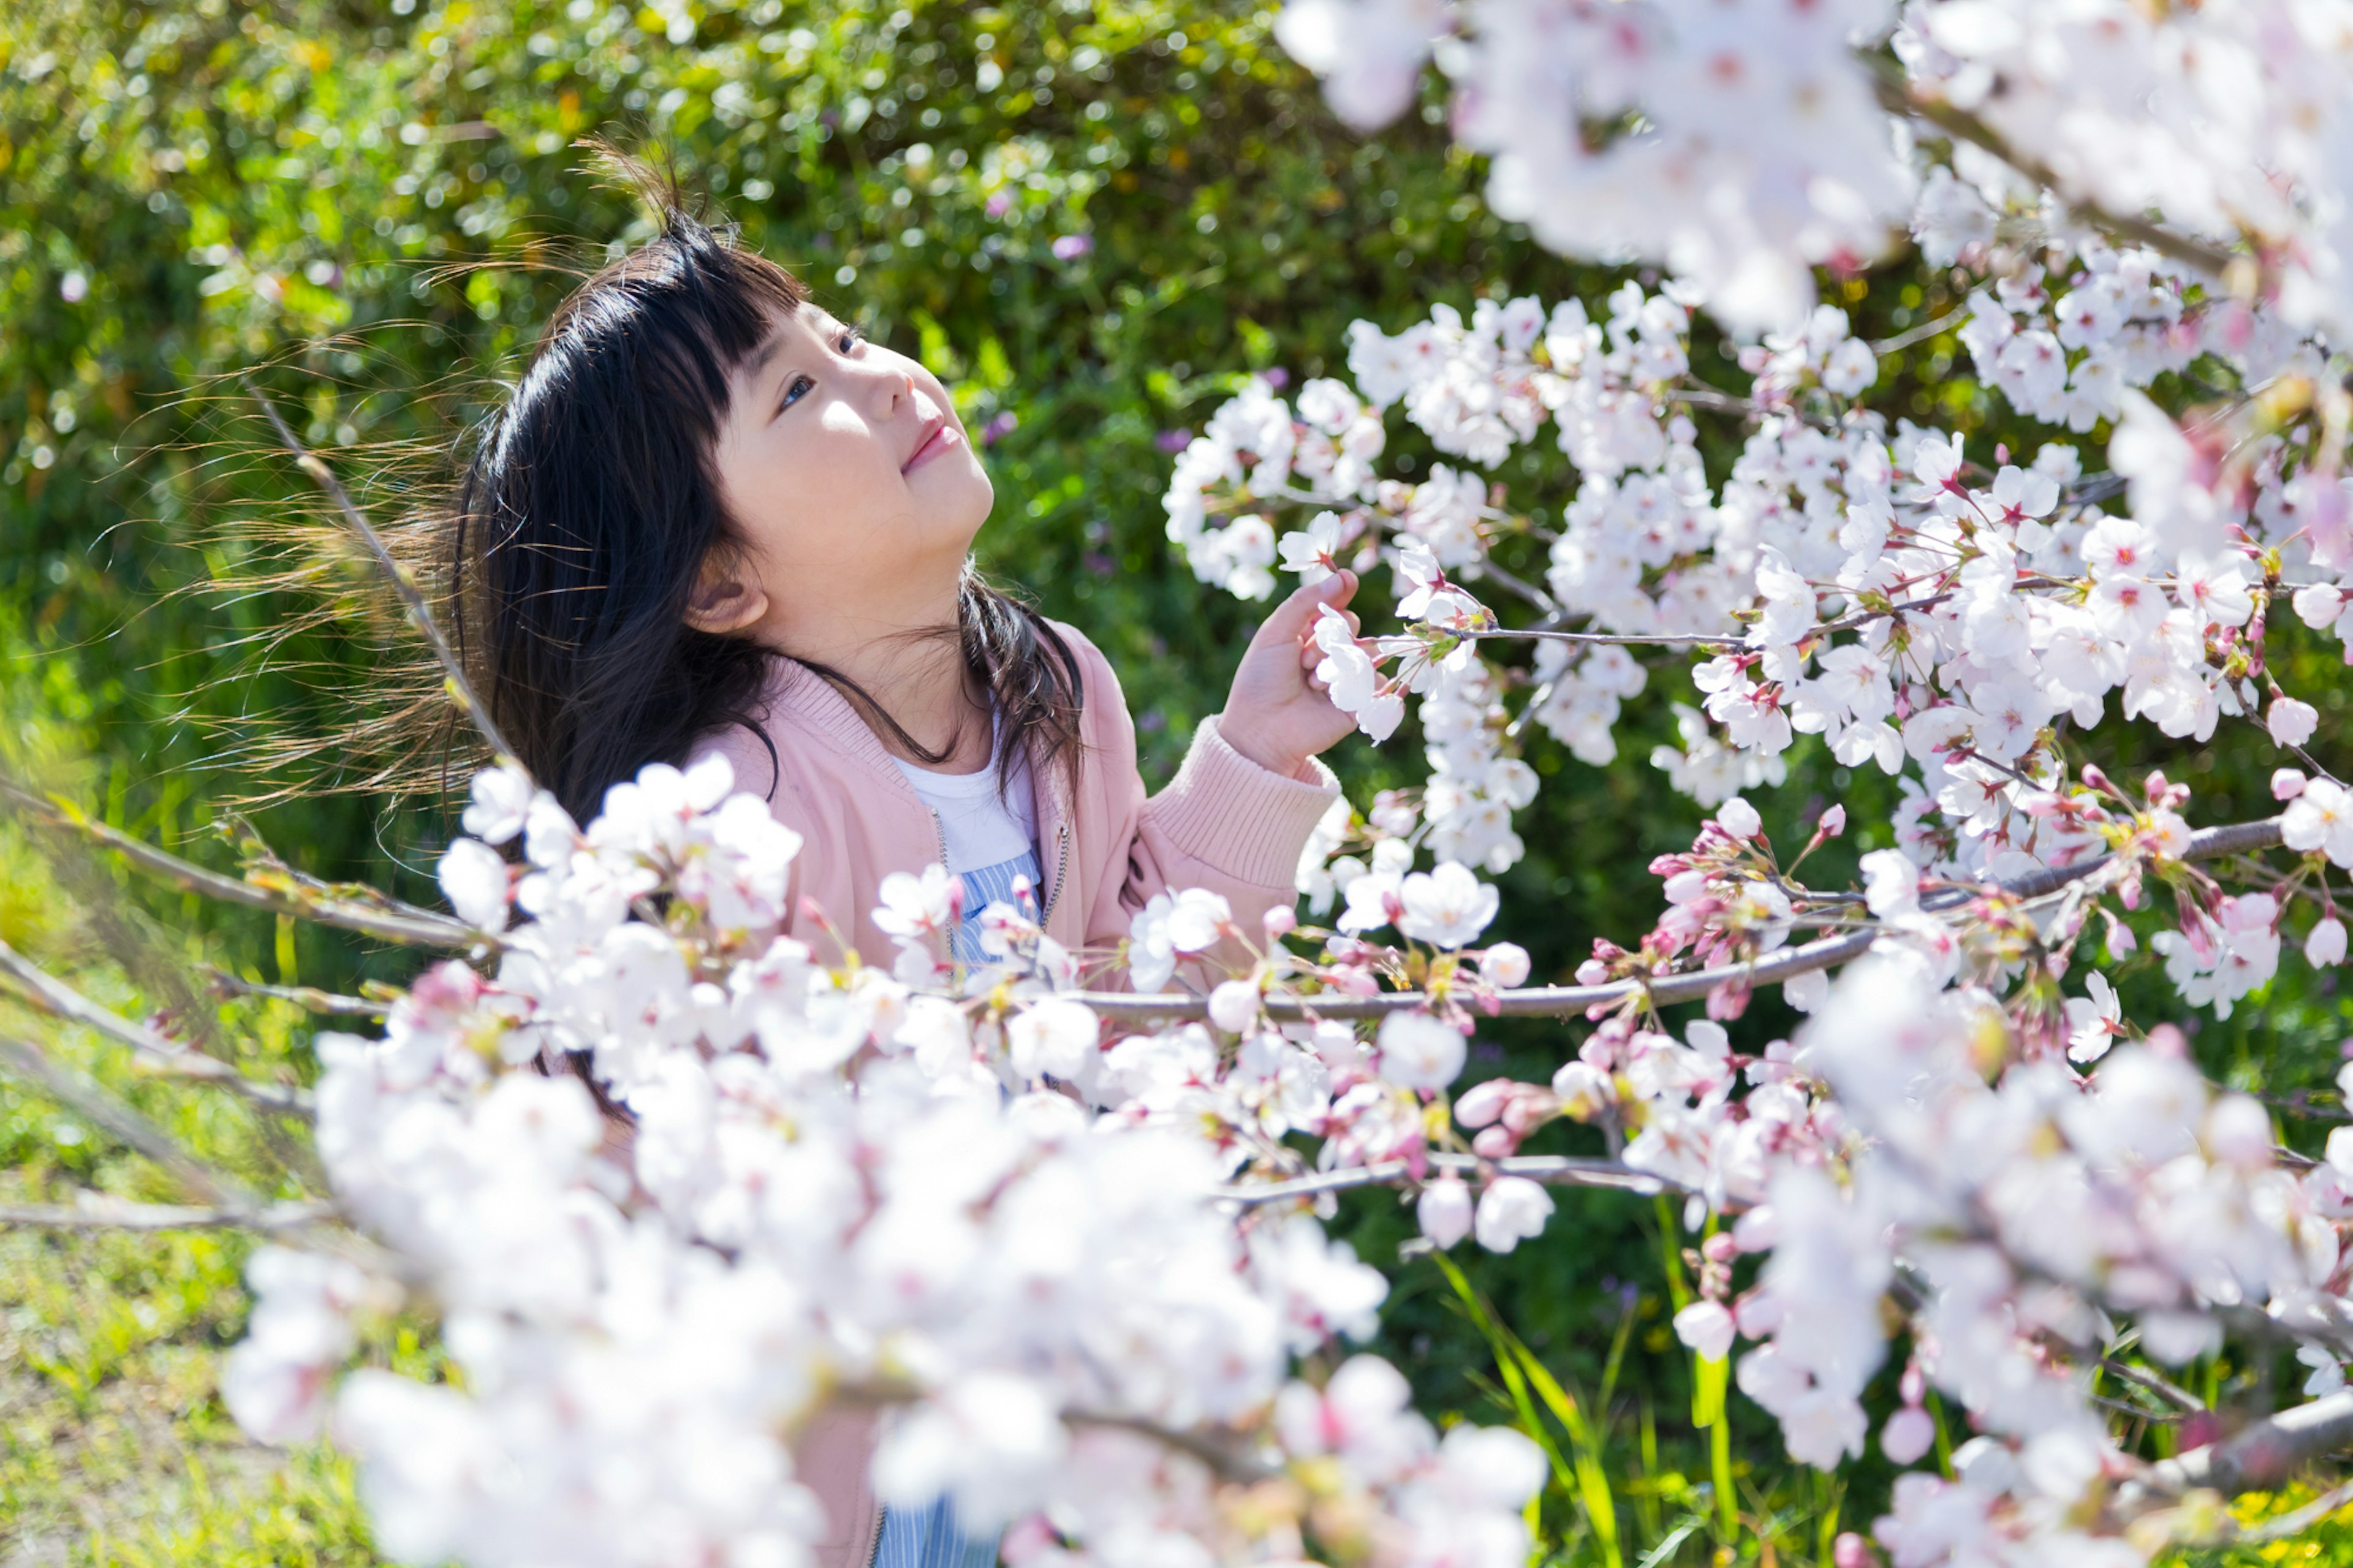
[1223, 822]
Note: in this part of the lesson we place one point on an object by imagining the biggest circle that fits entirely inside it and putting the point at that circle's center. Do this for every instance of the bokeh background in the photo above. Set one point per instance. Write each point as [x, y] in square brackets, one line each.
[1091, 220]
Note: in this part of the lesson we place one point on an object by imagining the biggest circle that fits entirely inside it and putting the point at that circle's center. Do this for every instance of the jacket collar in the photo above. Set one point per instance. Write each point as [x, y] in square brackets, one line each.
[799, 696]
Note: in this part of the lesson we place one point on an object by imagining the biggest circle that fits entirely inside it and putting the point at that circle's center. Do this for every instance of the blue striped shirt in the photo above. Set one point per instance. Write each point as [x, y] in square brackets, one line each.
[993, 885]
[928, 1538]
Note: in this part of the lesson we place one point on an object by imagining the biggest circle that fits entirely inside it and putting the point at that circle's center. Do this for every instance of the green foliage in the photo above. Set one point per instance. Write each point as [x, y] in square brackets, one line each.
[383, 202]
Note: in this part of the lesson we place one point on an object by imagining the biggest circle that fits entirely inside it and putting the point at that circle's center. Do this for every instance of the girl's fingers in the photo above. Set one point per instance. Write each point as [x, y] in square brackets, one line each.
[1295, 616]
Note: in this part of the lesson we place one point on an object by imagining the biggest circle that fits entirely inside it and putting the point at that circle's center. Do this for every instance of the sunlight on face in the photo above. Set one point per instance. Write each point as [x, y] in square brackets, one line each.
[850, 477]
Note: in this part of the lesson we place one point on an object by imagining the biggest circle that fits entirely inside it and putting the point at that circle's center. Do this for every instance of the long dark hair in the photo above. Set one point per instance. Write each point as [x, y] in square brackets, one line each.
[591, 502]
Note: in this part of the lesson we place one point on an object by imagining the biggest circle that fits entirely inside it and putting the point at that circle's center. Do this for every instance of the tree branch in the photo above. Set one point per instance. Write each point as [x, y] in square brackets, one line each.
[1553, 1170]
[155, 1054]
[419, 928]
[1669, 990]
[95, 1104]
[2259, 1456]
[98, 1211]
[1227, 1460]
[1898, 96]
[226, 983]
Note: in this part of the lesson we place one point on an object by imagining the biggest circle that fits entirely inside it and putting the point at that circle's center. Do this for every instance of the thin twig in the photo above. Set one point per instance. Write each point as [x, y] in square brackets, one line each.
[2172, 1393]
[419, 928]
[1226, 1460]
[1597, 639]
[156, 1054]
[99, 1211]
[404, 582]
[310, 998]
[1669, 990]
[1510, 584]
[1553, 1170]
[98, 1106]
[1929, 329]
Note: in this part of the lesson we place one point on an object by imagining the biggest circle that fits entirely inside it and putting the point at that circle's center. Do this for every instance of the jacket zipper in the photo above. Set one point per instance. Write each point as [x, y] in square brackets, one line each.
[939, 829]
[1062, 871]
[874, 1546]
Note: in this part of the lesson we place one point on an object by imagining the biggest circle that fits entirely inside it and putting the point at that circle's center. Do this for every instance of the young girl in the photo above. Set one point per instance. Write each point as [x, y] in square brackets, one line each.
[715, 518]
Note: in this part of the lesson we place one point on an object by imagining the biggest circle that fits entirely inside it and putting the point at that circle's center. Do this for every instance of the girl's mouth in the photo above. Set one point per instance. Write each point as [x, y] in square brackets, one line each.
[942, 436]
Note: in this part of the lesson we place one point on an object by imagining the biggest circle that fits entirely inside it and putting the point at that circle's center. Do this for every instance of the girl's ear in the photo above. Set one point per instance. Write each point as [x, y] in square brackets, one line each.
[725, 598]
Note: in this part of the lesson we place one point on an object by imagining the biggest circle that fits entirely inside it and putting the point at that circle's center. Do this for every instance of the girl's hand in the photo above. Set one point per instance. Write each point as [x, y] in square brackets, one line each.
[1278, 714]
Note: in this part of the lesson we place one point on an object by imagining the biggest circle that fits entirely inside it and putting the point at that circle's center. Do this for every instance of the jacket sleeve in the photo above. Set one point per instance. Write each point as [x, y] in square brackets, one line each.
[1223, 824]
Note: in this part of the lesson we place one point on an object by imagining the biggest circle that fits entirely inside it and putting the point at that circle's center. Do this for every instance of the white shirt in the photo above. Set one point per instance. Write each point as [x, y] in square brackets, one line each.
[990, 838]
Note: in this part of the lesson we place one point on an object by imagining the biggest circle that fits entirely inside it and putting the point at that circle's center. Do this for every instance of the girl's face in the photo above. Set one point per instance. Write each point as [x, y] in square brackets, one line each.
[852, 481]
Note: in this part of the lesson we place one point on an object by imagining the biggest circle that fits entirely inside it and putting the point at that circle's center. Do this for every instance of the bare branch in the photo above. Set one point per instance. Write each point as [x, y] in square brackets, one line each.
[156, 1054]
[27, 1062]
[2140, 1377]
[1597, 639]
[1668, 990]
[1553, 1170]
[404, 582]
[98, 1211]
[1228, 1460]
[417, 929]
[2259, 1456]
[226, 983]
[1897, 97]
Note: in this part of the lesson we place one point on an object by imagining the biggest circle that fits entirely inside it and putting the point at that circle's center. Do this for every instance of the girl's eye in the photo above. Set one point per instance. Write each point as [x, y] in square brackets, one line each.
[801, 384]
[850, 337]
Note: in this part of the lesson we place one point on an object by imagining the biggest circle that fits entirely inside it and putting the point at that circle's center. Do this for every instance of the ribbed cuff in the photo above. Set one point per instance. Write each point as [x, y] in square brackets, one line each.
[1237, 817]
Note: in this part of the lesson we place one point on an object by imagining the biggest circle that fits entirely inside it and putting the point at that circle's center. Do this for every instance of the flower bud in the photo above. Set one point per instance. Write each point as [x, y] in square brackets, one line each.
[2287, 783]
[1496, 1143]
[2326, 945]
[1444, 1210]
[1280, 921]
[1852, 1551]
[1483, 1102]
[2291, 722]
[1909, 1433]
[1706, 1327]
[1834, 823]
[1506, 965]
[1738, 818]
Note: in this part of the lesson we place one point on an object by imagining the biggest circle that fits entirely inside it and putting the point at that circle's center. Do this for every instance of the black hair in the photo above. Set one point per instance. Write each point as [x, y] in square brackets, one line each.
[591, 502]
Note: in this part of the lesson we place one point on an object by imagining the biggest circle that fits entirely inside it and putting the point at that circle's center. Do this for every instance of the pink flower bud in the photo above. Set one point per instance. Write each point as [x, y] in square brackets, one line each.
[2287, 784]
[1497, 1142]
[1909, 1433]
[1505, 964]
[1280, 921]
[2326, 946]
[2291, 722]
[1834, 821]
[1484, 1102]
[1852, 1551]
[1719, 1248]
[1739, 819]
[1708, 1328]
